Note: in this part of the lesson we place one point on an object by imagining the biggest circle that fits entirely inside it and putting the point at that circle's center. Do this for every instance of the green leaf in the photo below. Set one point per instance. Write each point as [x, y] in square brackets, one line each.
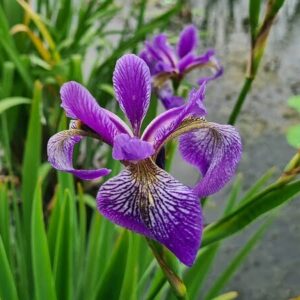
[294, 102]
[9, 47]
[32, 154]
[243, 216]
[7, 284]
[254, 10]
[4, 220]
[257, 186]
[114, 271]
[80, 258]
[227, 296]
[293, 136]
[129, 284]
[98, 252]
[236, 262]
[7, 103]
[195, 277]
[43, 278]
[63, 258]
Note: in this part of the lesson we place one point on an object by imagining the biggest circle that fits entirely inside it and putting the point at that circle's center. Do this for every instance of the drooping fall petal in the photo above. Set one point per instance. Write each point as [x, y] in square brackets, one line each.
[148, 200]
[60, 155]
[216, 150]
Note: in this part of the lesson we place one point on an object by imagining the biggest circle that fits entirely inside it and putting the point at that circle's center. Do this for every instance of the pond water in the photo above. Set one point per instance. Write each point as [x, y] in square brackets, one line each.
[272, 271]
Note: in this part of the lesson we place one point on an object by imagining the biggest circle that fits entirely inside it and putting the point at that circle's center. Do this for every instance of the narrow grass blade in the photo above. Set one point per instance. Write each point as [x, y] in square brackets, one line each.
[9, 47]
[129, 284]
[80, 254]
[42, 272]
[32, 154]
[254, 10]
[236, 262]
[37, 42]
[10, 102]
[63, 258]
[5, 220]
[98, 252]
[257, 186]
[247, 213]
[54, 221]
[64, 18]
[113, 272]
[7, 283]
[41, 26]
[227, 296]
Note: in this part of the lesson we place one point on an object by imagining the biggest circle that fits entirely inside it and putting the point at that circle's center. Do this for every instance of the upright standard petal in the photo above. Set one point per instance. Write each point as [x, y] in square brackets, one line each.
[188, 41]
[216, 150]
[131, 148]
[79, 104]
[158, 131]
[132, 85]
[147, 200]
[60, 155]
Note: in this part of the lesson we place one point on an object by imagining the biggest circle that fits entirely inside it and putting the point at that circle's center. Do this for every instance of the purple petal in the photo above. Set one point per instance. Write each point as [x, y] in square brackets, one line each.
[79, 104]
[132, 84]
[161, 51]
[192, 61]
[188, 40]
[60, 155]
[166, 123]
[131, 148]
[166, 95]
[147, 200]
[218, 71]
[216, 151]
[171, 101]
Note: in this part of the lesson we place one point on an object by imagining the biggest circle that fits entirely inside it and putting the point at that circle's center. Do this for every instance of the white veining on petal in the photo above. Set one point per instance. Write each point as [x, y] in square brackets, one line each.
[148, 200]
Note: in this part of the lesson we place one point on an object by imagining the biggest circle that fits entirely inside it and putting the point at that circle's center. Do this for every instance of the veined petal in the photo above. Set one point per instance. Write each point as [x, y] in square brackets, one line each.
[132, 85]
[188, 40]
[79, 104]
[216, 150]
[161, 51]
[148, 200]
[60, 155]
[166, 123]
[191, 61]
[131, 148]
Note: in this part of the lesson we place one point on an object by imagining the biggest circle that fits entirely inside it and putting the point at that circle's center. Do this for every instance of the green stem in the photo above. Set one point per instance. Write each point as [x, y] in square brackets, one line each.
[176, 283]
[240, 100]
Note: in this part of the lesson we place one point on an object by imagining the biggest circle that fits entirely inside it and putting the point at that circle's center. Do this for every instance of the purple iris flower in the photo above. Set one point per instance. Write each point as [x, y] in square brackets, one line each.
[143, 197]
[167, 62]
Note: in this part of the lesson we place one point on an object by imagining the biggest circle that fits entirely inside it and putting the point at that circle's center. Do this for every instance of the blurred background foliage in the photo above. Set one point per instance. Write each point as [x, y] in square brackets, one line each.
[53, 242]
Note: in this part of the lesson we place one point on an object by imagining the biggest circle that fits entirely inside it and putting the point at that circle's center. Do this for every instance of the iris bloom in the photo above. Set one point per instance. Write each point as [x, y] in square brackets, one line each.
[167, 62]
[143, 197]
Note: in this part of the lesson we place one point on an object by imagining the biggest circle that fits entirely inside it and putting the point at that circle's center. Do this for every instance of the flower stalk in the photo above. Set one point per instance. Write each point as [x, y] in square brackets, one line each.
[258, 44]
[176, 283]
